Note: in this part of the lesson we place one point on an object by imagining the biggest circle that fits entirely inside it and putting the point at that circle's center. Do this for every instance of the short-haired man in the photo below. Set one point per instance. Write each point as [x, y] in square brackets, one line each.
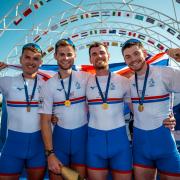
[108, 146]
[153, 144]
[64, 95]
[24, 146]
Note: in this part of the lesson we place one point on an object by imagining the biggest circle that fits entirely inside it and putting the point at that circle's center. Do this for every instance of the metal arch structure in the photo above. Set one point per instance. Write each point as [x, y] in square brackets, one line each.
[134, 20]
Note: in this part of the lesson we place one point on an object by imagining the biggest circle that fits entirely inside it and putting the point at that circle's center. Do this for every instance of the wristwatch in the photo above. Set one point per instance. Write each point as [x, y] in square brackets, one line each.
[49, 152]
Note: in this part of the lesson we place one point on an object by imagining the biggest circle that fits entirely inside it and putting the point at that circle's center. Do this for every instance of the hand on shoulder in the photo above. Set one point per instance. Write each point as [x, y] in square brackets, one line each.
[174, 53]
[2, 65]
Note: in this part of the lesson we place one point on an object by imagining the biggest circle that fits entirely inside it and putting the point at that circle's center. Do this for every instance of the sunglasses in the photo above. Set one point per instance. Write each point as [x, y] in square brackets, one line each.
[131, 41]
[32, 45]
[68, 41]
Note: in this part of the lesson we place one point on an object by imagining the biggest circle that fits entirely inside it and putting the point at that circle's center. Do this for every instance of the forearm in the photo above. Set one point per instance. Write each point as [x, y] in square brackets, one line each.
[46, 131]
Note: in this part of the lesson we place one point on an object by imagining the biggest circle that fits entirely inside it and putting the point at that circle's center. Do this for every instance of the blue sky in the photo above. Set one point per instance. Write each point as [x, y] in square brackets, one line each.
[16, 34]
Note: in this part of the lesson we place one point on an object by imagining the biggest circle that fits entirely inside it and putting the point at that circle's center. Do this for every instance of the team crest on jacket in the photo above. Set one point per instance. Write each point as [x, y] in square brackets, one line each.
[77, 85]
[112, 86]
[151, 82]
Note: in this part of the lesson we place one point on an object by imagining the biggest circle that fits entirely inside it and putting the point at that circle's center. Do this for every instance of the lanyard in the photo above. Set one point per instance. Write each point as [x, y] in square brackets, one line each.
[104, 98]
[67, 94]
[28, 100]
[141, 99]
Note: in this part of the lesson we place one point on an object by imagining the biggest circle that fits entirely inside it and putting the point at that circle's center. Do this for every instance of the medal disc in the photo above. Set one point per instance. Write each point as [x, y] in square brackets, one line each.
[28, 108]
[140, 108]
[105, 106]
[67, 103]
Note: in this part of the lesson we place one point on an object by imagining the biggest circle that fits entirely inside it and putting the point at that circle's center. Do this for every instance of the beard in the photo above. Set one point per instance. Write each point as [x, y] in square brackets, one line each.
[66, 67]
[139, 68]
[102, 65]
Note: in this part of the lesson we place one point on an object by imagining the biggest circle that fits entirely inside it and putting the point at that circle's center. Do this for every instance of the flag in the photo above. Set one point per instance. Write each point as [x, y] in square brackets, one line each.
[105, 13]
[84, 34]
[116, 13]
[41, 3]
[150, 20]
[122, 32]
[139, 17]
[37, 38]
[81, 47]
[160, 46]
[128, 14]
[114, 43]
[106, 43]
[75, 36]
[102, 31]
[63, 22]
[38, 4]
[140, 36]
[161, 25]
[17, 20]
[73, 18]
[95, 14]
[49, 49]
[44, 54]
[54, 27]
[86, 15]
[113, 31]
[178, 36]
[151, 41]
[45, 32]
[171, 31]
[27, 12]
[88, 45]
[93, 32]
[132, 34]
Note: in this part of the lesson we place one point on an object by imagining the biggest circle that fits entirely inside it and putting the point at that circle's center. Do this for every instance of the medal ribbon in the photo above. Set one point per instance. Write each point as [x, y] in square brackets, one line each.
[104, 99]
[26, 90]
[67, 94]
[141, 99]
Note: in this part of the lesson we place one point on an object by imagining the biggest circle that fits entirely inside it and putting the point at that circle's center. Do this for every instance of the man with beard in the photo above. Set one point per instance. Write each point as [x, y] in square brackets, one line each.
[24, 146]
[64, 95]
[108, 144]
[153, 144]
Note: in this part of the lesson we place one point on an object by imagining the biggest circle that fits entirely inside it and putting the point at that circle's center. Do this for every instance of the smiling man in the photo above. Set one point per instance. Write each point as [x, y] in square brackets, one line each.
[64, 96]
[108, 145]
[154, 147]
[24, 146]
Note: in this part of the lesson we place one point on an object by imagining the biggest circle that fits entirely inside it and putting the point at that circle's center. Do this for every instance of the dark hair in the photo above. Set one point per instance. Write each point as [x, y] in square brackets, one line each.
[97, 44]
[64, 42]
[131, 42]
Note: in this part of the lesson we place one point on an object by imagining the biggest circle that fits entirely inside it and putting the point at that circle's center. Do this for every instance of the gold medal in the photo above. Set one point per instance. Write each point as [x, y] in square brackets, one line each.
[67, 103]
[105, 105]
[28, 108]
[140, 108]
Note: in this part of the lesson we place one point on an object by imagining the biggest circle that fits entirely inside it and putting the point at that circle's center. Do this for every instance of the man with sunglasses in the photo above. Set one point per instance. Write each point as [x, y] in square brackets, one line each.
[154, 147]
[24, 146]
[64, 96]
